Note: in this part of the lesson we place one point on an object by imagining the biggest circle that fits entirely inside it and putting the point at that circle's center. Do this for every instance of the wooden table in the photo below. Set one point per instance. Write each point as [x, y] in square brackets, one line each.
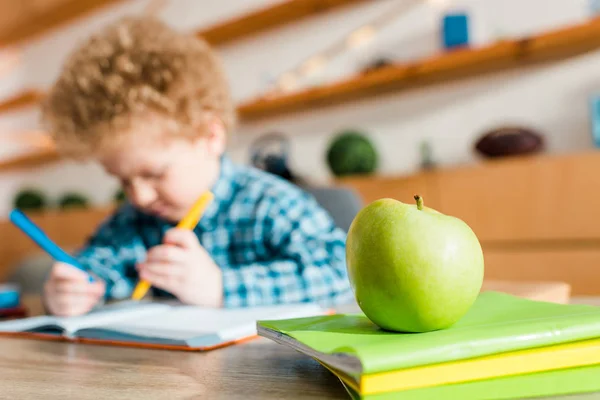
[259, 369]
[255, 370]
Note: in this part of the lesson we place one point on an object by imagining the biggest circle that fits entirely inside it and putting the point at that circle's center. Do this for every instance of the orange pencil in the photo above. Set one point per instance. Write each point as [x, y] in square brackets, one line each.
[188, 222]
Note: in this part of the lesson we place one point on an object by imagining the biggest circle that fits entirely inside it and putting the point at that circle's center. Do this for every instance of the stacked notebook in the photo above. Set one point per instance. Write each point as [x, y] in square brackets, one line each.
[505, 347]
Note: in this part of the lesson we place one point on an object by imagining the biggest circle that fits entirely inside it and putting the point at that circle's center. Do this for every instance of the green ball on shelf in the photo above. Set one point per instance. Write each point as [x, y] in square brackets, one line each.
[73, 200]
[30, 199]
[352, 153]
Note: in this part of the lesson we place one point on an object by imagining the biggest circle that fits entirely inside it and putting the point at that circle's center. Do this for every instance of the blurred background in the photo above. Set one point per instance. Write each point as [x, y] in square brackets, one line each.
[490, 109]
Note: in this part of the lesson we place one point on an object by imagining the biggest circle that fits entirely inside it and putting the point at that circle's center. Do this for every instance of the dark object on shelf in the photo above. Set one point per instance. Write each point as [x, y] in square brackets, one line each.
[73, 200]
[376, 64]
[426, 153]
[30, 199]
[509, 141]
[270, 153]
[351, 153]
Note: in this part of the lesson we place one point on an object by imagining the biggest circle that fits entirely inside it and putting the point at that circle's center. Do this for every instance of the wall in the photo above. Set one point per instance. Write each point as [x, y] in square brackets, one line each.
[12, 81]
[552, 98]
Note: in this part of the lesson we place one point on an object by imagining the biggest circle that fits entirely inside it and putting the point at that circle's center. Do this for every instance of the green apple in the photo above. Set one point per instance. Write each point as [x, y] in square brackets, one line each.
[412, 268]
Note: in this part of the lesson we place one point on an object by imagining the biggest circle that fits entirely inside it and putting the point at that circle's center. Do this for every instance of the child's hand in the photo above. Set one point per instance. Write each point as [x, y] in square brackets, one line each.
[182, 267]
[68, 291]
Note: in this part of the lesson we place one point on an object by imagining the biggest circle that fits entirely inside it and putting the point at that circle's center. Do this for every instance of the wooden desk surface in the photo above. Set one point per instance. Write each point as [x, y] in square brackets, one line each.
[255, 370]
[259, 369]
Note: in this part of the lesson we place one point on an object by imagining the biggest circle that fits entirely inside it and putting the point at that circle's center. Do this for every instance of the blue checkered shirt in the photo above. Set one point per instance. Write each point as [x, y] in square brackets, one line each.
[272, 241]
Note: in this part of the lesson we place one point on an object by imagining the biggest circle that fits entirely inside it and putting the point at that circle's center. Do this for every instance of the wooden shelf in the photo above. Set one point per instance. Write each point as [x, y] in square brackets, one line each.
[21, 100]
[36, 18]
[249, 24]
[32, 20]
[269, 18]
[29, 160]
[457, 64]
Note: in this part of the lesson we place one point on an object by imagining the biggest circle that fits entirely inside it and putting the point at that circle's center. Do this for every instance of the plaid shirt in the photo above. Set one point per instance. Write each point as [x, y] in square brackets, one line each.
[273, 243]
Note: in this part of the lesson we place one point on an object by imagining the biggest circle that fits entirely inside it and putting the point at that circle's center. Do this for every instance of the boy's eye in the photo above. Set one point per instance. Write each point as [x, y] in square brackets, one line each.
[156, 174]
[153, 174]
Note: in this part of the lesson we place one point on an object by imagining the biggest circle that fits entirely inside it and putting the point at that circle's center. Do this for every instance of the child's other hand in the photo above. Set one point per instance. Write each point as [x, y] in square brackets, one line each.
[68, 291]
[182, 267]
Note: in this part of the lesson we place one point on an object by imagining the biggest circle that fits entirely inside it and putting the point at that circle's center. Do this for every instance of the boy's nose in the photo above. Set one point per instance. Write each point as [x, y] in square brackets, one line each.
[142, 194]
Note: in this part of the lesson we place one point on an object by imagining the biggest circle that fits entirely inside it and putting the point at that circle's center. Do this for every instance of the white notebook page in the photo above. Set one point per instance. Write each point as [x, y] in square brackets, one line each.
[106, 315]
[110, 315]
[187, 322]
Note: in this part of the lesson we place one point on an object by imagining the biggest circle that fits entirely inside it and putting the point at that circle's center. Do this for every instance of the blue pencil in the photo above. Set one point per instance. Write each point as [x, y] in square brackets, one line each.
[39, 237]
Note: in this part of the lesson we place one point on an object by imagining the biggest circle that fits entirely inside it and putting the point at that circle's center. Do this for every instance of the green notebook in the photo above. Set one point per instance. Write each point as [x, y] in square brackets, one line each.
[496, 323]
[552, 383]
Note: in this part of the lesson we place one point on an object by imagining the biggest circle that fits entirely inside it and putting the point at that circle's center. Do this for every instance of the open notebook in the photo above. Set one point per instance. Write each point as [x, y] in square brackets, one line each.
[166, 325]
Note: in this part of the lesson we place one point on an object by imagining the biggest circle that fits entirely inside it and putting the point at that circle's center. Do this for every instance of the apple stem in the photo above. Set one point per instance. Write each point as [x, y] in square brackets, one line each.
[419, 201]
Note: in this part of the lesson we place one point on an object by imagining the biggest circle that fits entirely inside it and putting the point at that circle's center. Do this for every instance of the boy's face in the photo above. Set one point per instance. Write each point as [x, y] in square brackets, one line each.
[165, 177]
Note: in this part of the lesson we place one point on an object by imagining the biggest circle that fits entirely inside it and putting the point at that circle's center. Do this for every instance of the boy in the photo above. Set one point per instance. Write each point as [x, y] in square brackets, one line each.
[153, 108]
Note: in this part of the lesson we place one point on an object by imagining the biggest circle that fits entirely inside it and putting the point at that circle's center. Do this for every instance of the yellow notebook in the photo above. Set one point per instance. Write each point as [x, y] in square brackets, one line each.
[563, 356]
[569, 381]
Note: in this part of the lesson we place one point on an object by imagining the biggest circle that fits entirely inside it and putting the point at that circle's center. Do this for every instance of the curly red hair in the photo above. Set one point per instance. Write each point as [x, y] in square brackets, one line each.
[132, 67]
